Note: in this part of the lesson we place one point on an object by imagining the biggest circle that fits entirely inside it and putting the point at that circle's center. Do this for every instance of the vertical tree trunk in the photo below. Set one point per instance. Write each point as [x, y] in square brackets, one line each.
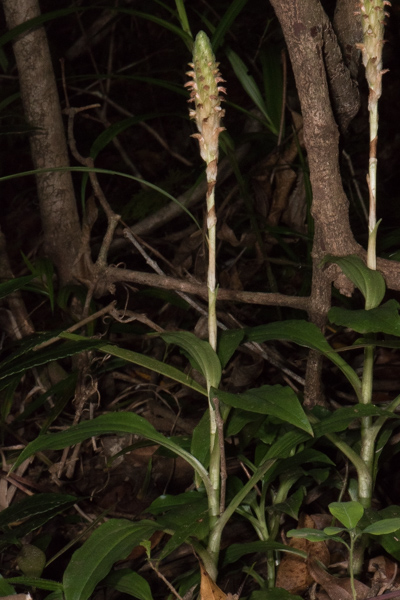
[41, 104]
[329, 100]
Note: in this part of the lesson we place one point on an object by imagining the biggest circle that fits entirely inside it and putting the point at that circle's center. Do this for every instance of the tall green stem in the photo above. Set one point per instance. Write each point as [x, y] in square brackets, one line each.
[205, 94]
[372, 19]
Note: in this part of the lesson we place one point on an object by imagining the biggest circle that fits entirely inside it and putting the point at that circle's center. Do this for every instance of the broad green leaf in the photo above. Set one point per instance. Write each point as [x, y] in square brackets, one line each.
[112, 541]
[389, 541]
[144, 361]
[290, 465]
[383, 319]
[128, 582]
[273, 400]
[311, 456]
[186, 520]
[201, 352]
[239, 419]
[8, 287]
[235, 552]
[342, 417]
[383, 527]
[308, 335]
[370, 283]
[286, 444]
[110, 423]
[334, 530]
[225, 22]
[292, 505]
[228, 341]
[348, 513]
[312, 535]
[200, 447]
[38, 582]
[167, 502]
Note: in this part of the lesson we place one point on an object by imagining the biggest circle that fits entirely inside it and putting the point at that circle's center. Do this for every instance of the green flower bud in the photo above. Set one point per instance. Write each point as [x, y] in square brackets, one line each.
[373, 24]
[205, 94]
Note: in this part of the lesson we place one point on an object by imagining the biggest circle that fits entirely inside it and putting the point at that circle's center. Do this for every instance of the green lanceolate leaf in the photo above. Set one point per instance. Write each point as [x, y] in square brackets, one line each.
[249, 85]
[226, 21]
[274, 400]
[128, 582]
[36, 582]
[186, 520]
[292, 505]
[201, 352]
[39, 504]
[342, 417]
[370, 283]
[236, 551]
[108, 172]
[8, 287]
[348, 513]
[383, 319]
[286, 444]
[144, 361]
[308, 335]
[22, 360]
[383, 527]
[110, 423]
[228, 341]
[6, 589]
[313, 535]
[112, 541]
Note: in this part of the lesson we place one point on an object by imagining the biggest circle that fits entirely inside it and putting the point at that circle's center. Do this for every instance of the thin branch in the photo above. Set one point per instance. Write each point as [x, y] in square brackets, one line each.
[165, 580]
[114, 275]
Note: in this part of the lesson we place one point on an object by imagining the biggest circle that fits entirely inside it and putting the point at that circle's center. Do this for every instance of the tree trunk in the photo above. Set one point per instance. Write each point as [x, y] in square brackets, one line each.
[41, 104]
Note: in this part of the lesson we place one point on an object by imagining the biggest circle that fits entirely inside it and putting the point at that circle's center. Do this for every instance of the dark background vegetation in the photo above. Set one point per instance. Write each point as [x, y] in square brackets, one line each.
[132, 56]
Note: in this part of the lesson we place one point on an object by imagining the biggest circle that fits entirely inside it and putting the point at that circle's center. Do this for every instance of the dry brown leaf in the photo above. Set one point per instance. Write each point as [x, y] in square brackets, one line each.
[337, 588]
[293, 574]
[385, 571]
[208, 589]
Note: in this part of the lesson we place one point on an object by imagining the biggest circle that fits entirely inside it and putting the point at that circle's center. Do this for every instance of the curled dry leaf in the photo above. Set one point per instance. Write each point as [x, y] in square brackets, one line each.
[293, 574]
[209, 590]
[336, 588]
[385, 572]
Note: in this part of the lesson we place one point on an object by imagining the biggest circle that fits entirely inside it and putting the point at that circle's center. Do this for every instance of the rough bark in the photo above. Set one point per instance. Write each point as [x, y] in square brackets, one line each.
[305, 26]
[41, 104]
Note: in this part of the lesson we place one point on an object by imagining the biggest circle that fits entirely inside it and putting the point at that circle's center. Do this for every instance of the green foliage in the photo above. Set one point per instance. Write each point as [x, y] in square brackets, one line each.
[370, 283]
[31, 513]
[8, 287]
[350, 515]
[272, 435]
[112, 541]
[275, 400]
